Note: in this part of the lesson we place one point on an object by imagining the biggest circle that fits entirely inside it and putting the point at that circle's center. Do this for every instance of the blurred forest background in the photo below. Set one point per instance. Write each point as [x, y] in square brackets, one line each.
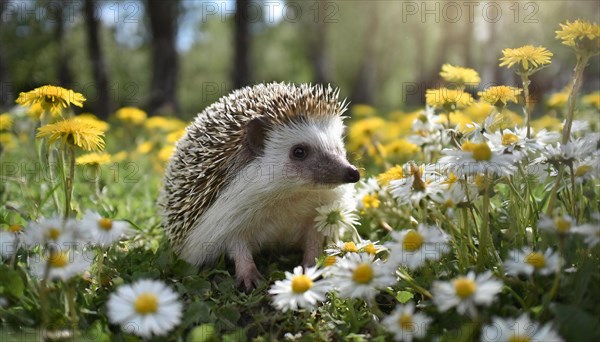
[175, 57]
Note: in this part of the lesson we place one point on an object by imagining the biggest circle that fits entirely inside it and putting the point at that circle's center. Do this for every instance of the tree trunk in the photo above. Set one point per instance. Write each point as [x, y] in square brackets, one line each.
[102, 105]
[163, 26]
[365, 85]
[316, 47]
[6, 92]
[65, 78]
[241, 64]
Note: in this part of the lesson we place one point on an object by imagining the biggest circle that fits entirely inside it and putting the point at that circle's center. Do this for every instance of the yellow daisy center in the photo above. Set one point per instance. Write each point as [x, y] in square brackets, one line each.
[301, 283]
[105, 223]
[405, 321]
[482, 152]
[58, 259]
[464, 287]
[509, 139]
[15, 228]
[468, 146]
[562, 225]
[536, 259]
[370, 248]
[349, 247]
[330, 261]
[53, 233]
[519, 338]
[146, 303]
[449, 203]
[412, 241]
[363, 274]
[582, 170]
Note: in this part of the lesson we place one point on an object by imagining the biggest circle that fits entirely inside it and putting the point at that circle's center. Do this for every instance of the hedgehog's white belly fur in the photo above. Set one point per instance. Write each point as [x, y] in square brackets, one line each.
[259, 214]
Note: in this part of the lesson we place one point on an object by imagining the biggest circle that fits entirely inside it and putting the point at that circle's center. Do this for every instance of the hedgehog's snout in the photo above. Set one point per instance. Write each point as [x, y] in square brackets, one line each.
[352, 174]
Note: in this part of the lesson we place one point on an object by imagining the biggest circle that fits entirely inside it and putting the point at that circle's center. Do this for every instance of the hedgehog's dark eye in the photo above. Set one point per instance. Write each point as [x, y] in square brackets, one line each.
[299, 152]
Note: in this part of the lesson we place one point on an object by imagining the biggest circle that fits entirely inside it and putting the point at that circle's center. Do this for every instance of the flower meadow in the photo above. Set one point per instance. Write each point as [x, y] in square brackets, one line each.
[473, 220]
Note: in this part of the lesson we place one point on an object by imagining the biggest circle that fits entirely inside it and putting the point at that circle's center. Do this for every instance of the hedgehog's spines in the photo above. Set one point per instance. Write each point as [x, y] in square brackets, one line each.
[205, 158]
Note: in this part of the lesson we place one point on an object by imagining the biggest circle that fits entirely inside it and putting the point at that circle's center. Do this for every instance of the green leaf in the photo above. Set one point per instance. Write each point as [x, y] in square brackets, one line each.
[576, 324]
[404, 296]
[12, 282]
[203, 333]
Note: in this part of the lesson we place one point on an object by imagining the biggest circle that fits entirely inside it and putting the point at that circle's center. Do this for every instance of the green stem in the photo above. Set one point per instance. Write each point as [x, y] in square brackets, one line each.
[70, 151]
[484, 231]
[525, 80]
[71, 302]
[556, 282]
[44, 294]
[582, 60]
[100, 266]
[554, 191]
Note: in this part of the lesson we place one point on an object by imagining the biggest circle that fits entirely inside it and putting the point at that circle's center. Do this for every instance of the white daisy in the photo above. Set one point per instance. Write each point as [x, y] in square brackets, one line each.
[10, 240]
[104, 231]
[416, 186]
[56, 232]
[412, 248]
[476, 158]
[299, 290]
[333, 219]
[586, 169]
[342, 248]
[520, 329]
[405, 324]
[359, 276]
[574, 150]
[591, 232]
[370, 247]
[512, 142]
[145, 308]
[525, 261]
[369, 187]
[61, 263]
[561, 224]
[546, 137]
[466, 292]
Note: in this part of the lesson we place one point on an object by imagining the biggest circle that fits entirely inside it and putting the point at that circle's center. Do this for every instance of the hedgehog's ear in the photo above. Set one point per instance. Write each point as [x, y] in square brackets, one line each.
[255, 135]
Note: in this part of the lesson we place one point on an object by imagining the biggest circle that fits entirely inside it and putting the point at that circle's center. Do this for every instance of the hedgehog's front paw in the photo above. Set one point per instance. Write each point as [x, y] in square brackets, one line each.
[248, 275]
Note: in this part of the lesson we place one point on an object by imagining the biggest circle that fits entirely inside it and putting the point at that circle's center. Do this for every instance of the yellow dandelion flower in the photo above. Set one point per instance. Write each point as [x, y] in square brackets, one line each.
[558, 100]
[448, 98]
[400, 148]
[405, 120]
[164, 124]
[580, 34]
[51, 98]
[393, 173]
[165, 153]
[173, 137]
[500, 95]
[547, 122]
[507, 119]
[35, 111]
[93, 159]
[527, 57]
[119, 157]
[459, 75]
[363, 111]
[592, 99]
[371, 201]
[73, 131]
[6, 122]
[145, 147]
[131, 115]
[7, 140]
[478, 111]
[460, 119]
[93, 119]
[363, 132]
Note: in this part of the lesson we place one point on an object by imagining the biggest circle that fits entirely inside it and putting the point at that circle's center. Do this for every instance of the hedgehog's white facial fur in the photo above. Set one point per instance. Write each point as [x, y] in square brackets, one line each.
[321, 159]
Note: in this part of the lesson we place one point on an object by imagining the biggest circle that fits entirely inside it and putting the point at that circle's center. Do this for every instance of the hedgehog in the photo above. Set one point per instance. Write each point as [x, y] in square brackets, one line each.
[250, 172]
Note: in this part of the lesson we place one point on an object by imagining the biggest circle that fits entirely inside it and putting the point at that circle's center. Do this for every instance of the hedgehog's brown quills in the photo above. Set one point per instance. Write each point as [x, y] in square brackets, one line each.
[250, 172]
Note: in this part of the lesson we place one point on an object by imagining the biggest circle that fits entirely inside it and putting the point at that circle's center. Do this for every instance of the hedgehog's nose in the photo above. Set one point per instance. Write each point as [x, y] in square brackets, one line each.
[352, 174]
